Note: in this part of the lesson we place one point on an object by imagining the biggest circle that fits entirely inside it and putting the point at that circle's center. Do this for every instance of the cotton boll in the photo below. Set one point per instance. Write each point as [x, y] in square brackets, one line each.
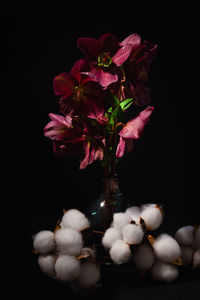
[110, 236]
[152, 216]
[67, 268]
[187, 254]
[132, 234]
[185, 235]
[196, 259]
[164, 271]
[120, 252]
[47, 264]
[134, 212]
[197, 238]
[120, 220]
[88, 277]
[44, 242]
[166, 248]
[88, 252]
[75, 219]
[68, 241]
[143, 256]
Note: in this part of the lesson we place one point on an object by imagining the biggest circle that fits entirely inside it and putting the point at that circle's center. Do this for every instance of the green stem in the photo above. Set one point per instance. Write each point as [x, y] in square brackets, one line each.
[111, 143]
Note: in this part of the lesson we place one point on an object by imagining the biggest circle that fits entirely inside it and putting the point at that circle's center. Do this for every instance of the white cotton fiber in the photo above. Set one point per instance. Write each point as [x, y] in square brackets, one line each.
[110, 236]
[196, 259]
[47, 264]
[134, 212]
[152, 216]
[143, 256]
[164, 271]
[68, 241]
[166, 248]
[187, 254]
[43, 242]
[120, 220]
[88, 277]
[75, 219]
[132, 234]
[120, 252]
[185, 235]
[67, 268]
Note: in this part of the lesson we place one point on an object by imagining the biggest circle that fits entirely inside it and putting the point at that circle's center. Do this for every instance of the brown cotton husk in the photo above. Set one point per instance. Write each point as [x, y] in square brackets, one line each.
[178, 262]
[151, 239]
[57, 227]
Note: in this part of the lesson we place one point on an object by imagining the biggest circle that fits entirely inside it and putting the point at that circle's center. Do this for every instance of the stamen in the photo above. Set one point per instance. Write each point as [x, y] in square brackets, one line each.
[77, 93]
[104, 60]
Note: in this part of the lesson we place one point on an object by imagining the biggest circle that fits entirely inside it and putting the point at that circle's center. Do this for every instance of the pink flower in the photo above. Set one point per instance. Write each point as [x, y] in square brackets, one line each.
[105, 55]
[72, 136]
[133, 130]
[79, 92]
[56, 128]
[92, 153]
[127, 46]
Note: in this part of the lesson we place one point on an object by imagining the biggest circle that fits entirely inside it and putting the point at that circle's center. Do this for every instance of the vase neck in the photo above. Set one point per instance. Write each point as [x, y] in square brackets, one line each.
[111, 185]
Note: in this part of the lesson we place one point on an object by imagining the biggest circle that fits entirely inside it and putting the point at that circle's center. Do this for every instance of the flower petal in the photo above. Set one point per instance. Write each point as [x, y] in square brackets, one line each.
[142, 94]
[133, 39]
[122, 54]
[63, 85]
[134, 128]
[67, 120]
[105, 78]
[145, 114]
[66, 104]
[99, 153]
[131, 42]
[56, 128]
[86, 159]
[76, 69]
[89, 47]
[151, 51]
[120, 147]
[108, 43]
[93, 109]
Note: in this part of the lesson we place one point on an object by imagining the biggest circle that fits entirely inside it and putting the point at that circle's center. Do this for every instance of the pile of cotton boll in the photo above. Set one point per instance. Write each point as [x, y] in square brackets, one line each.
[128, 240]
[65, 254]
[189, 239]
[62, 255]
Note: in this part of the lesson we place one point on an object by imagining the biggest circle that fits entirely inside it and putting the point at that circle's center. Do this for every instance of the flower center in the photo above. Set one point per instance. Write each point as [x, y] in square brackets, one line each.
[104, 60]
[77, 93]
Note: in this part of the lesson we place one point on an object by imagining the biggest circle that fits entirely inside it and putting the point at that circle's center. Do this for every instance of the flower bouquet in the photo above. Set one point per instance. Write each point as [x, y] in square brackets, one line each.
[95, 97]
[93, 124]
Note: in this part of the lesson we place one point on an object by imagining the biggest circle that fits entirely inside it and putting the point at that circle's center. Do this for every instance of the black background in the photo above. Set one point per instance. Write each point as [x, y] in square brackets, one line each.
[39, 42]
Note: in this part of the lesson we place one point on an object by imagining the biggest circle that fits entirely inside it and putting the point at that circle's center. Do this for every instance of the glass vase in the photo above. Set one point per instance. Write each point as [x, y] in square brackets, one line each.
[109, 201]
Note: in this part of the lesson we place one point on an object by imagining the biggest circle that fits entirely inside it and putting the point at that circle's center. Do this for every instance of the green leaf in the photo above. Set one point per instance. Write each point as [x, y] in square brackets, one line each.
[116, 100]
[116, 114]
[112, 100]
[125, 104]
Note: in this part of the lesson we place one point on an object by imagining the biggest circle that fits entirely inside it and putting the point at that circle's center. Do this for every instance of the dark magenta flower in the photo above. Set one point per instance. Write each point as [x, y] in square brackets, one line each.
[133, 130]
[137, 70]
[105, 55]
[79, 92]
[71, 136]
